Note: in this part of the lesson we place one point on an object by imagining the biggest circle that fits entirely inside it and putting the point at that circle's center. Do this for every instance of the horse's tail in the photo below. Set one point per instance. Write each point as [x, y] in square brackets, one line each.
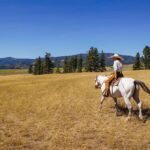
[143, 85]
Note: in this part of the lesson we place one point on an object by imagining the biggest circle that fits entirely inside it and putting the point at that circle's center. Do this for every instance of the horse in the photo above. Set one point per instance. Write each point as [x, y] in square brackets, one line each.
[127, 88]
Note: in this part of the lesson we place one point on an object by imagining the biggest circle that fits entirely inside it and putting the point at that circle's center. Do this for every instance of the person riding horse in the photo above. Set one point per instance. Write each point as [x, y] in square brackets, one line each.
[117, 66]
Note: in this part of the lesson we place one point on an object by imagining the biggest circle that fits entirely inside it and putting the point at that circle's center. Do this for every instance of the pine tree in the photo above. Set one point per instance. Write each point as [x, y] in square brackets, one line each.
[80, 63]
[58, 69]
[38, 66]
[137, 62]
[66, 65]
[146, 57]
[30, 69]
[92, 60]
[42, 67]
[71, 64]
[102, 61]
[96, 66]
[48, 65]
[75, 63]
[87, 63]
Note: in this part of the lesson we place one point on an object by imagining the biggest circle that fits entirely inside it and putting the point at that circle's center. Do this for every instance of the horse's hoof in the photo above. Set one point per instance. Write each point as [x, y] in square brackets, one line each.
[141, 117]
[119, 114]
[144, 120]
[100, 107]
[128, 118]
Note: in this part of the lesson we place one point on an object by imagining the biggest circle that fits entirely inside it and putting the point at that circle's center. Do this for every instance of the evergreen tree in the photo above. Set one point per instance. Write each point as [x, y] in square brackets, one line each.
[42, 67]
[92, 60]
[96, 60]
[48, 65]
[146, 57]
[71, 64]
[80, 63]
[38, 66]
[137, 63]
[58, 69]
[30, 69]
[75, 63]
[66, 65]
[88, 60]
[102, 61]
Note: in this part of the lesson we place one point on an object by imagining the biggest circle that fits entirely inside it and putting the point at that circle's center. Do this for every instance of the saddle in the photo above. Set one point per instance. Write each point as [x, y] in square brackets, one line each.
[115, 82]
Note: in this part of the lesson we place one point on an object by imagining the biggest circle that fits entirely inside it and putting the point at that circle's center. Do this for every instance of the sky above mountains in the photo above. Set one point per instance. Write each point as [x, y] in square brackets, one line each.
[29, 28]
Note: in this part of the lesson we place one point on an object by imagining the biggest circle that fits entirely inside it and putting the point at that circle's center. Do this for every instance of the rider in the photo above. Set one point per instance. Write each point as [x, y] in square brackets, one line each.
[116, 74]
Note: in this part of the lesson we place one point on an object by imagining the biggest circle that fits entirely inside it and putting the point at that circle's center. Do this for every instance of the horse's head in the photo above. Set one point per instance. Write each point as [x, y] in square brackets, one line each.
[99, 81]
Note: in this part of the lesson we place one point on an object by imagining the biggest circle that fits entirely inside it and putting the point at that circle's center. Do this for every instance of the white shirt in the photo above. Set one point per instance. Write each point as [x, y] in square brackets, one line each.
[117, 66]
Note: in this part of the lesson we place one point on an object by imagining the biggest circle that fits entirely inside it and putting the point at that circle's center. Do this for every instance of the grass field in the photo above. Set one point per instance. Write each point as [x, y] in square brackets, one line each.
[13, 71]
[57, 112]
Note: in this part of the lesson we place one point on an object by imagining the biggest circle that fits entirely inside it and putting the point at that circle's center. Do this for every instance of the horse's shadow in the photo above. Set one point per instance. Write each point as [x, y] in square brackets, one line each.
[124, 111]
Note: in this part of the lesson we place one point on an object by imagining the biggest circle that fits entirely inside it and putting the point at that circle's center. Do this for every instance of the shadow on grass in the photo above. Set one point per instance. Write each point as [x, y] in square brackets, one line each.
[135, 112]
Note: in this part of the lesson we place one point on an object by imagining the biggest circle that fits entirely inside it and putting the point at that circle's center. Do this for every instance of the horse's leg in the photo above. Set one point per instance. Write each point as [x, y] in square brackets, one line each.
[116, 104]
[128, 103]
[139, 103]
[101, 102]
[118, 112]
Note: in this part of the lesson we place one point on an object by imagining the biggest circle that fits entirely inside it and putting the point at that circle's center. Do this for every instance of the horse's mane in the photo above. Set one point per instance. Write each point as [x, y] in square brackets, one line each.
[103, 75]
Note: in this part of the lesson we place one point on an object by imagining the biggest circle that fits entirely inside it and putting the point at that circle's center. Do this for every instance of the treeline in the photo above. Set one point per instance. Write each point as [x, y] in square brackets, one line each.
[94, 62]
[74, 64]
[144, 61]
[42, 66]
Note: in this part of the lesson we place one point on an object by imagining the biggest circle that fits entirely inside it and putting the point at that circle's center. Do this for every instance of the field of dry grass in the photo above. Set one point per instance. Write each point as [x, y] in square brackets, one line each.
[13, 71]
[56, 112]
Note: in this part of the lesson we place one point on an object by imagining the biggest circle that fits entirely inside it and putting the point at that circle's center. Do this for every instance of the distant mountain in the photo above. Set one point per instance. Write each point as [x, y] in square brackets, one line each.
[127, 58]
[13, 63]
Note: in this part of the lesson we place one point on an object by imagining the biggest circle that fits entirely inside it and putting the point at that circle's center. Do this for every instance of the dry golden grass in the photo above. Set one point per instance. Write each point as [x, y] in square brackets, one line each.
[57, 112]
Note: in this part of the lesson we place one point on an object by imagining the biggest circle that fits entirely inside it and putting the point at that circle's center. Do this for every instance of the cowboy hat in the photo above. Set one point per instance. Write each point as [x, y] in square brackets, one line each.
[116, 56]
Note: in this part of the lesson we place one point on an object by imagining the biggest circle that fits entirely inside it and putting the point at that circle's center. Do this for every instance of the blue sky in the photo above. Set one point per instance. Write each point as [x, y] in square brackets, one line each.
[29, 28]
